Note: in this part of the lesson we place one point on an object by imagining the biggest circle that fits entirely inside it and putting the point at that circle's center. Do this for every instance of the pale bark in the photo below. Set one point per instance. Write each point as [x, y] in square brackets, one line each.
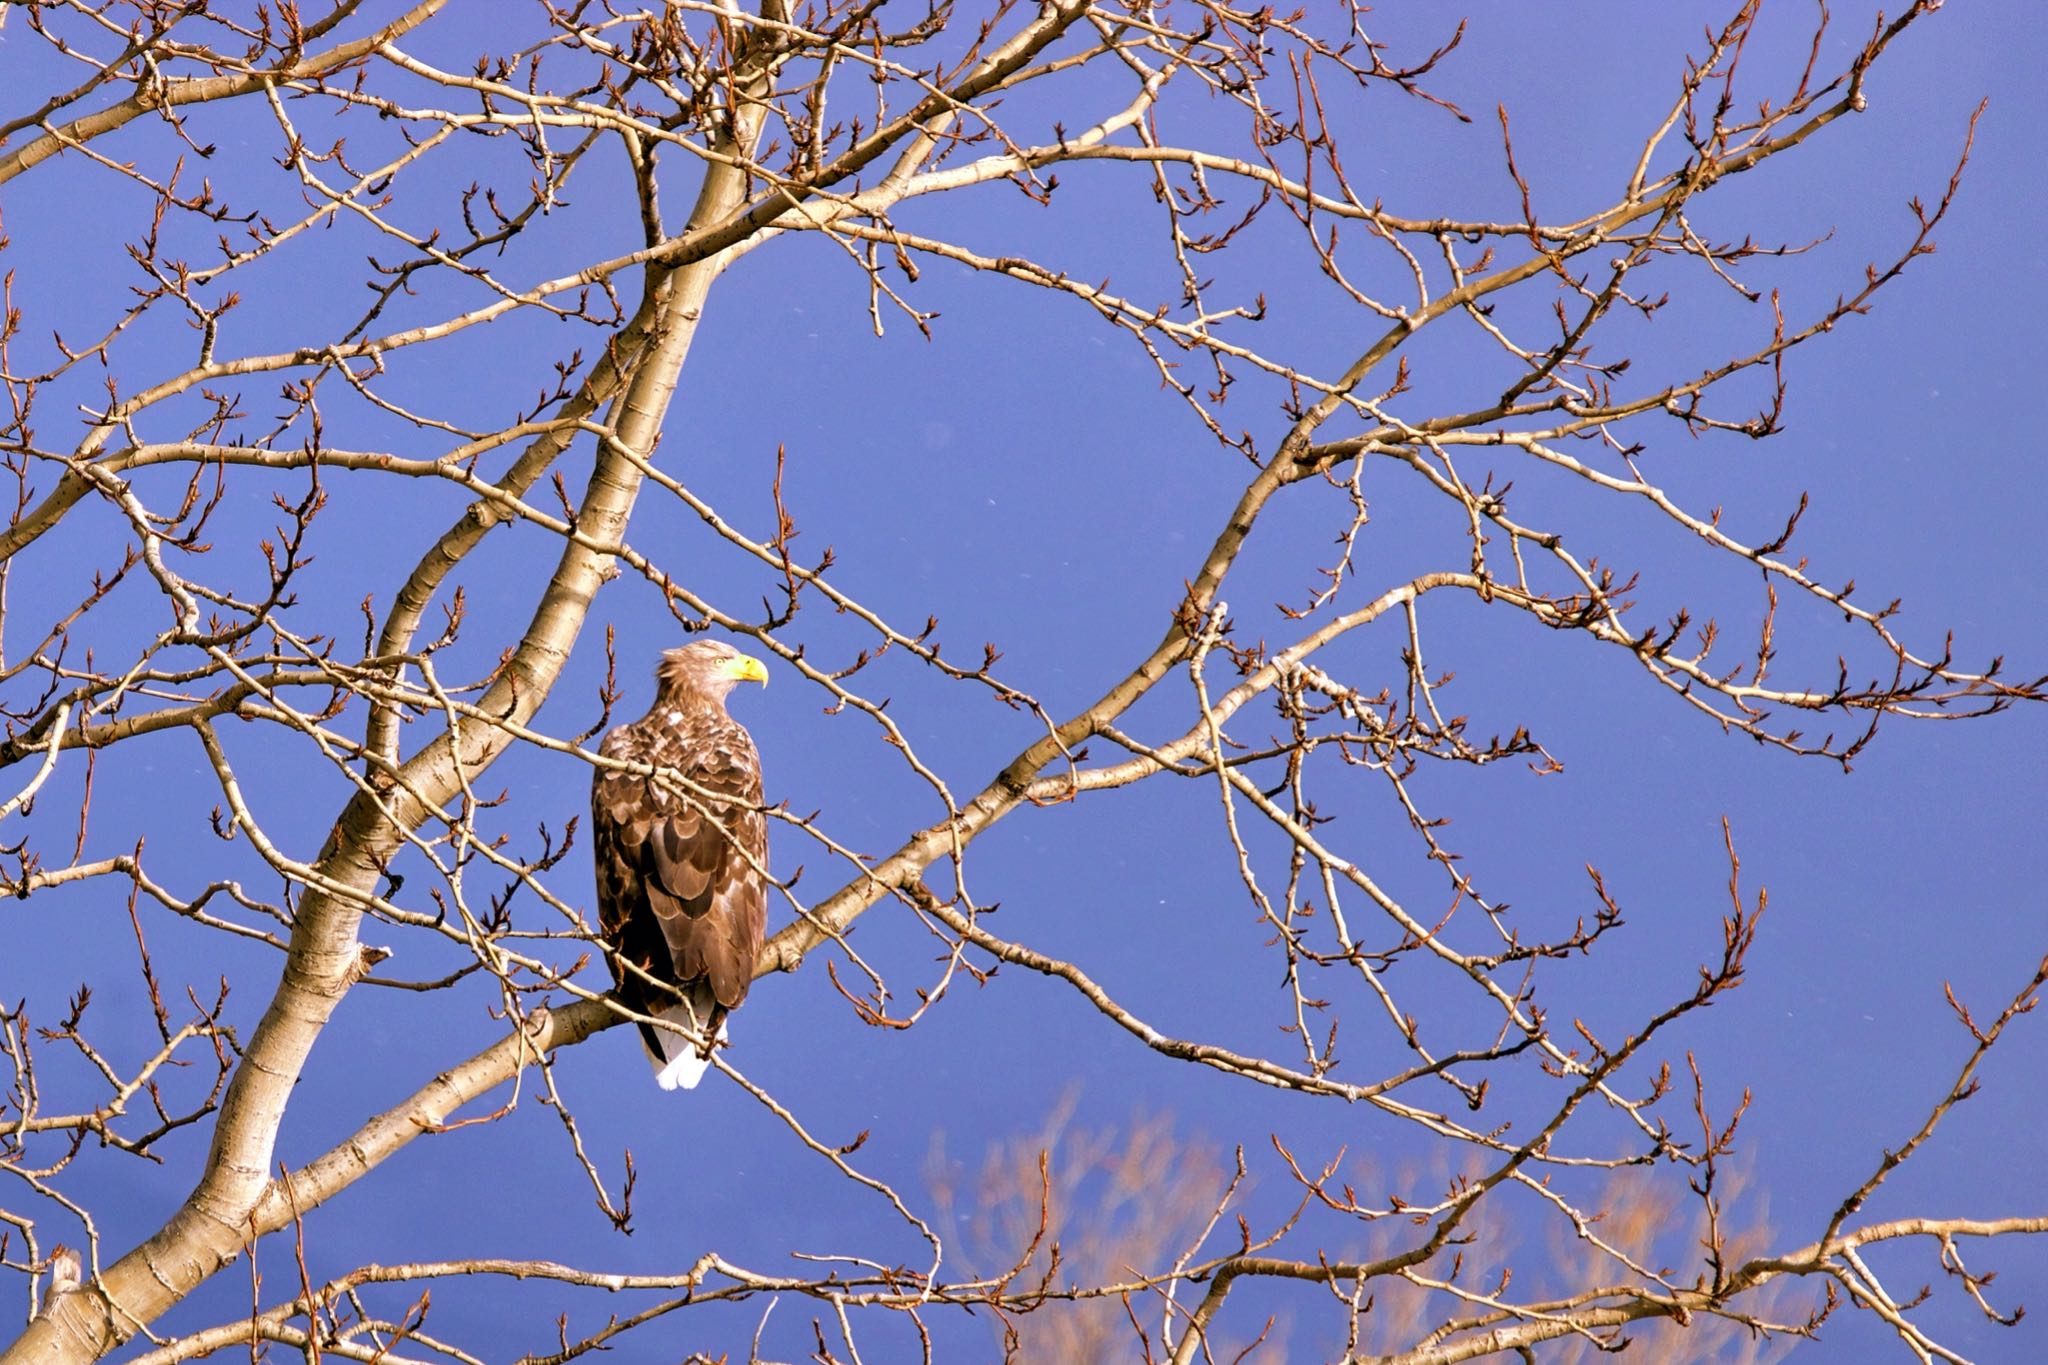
[210, 1228]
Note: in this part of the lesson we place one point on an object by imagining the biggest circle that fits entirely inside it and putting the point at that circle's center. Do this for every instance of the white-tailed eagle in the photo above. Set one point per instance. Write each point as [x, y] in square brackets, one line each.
[681, 865]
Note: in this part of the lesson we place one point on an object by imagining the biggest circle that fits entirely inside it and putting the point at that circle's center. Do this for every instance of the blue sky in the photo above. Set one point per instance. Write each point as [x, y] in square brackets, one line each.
[1022, 476]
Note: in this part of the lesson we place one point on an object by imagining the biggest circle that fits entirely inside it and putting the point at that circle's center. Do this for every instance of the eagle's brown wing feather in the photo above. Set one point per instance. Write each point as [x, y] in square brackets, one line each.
[703, 882]
[673, 879]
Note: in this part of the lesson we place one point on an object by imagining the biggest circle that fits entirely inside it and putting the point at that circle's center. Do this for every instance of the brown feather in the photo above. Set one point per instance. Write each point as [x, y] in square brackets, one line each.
[680, 886]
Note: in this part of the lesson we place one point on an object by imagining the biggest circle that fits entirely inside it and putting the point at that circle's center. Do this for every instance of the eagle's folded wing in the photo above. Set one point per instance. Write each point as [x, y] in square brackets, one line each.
[676, 862]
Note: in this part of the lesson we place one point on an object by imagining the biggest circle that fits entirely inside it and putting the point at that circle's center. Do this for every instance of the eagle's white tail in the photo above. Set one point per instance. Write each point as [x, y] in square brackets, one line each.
[680, 1065]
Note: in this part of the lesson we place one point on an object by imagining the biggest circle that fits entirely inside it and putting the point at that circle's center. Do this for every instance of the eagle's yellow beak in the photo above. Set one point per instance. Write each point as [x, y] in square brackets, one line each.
[746, 668]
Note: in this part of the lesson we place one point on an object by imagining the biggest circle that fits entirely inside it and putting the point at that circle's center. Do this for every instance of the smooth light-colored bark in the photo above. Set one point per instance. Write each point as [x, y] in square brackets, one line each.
[211, 1226]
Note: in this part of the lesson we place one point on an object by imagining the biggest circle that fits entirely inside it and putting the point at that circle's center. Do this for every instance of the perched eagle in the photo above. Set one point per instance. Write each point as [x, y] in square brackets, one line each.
[681, 884]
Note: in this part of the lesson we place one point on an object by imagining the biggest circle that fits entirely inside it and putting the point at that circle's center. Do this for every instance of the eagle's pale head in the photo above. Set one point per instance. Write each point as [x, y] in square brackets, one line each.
[709, 669]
